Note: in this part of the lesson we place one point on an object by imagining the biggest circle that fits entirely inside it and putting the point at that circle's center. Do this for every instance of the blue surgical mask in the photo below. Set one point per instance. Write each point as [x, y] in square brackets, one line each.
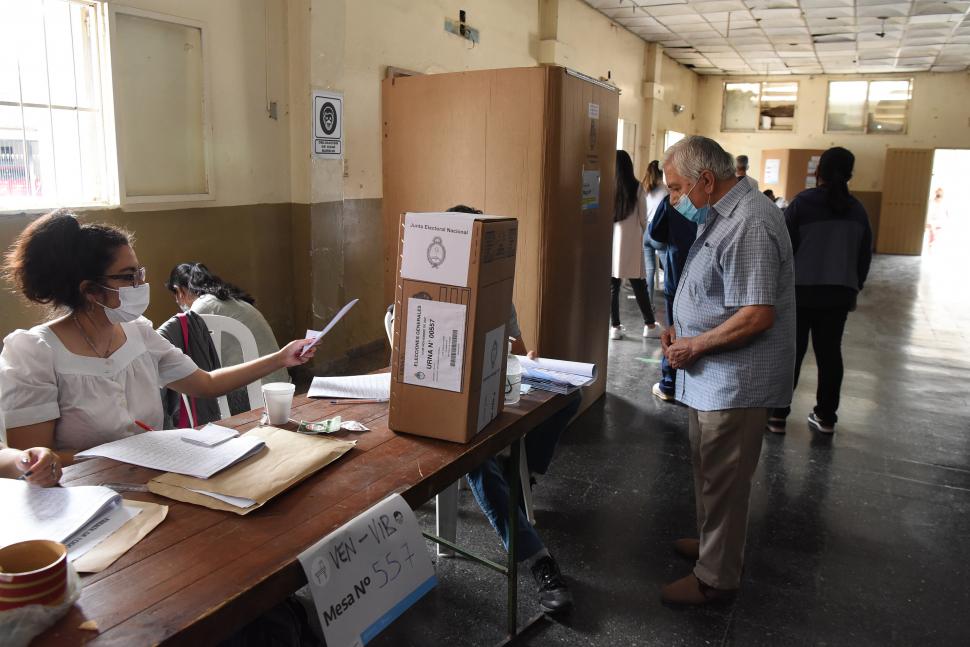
[687, 209]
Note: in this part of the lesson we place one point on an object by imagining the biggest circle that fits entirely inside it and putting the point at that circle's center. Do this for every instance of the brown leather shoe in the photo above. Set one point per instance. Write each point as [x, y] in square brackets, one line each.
[690, 590]
[688, 547]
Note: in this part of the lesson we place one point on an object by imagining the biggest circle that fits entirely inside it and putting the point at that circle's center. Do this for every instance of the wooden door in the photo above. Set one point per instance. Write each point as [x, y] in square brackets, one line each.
[905, 192]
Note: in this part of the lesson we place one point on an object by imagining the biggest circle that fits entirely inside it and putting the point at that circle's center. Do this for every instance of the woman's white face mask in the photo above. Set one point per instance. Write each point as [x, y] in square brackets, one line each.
[133, 303]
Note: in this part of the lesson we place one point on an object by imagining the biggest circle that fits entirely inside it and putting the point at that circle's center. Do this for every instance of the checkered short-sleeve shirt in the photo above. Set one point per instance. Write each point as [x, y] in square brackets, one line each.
[742, 257]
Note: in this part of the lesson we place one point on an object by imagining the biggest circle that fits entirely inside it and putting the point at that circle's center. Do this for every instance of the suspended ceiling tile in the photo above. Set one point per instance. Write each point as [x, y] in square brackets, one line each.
[870, 55]
[785, 32]
[713, 49]
[706, 7]
[888, 10]
[639, 20]
[915, 60]
[777, 14]
[948, 68]
[824, 13]
[681, 19]
[844, 26]
[674, 42]
[834, 41]
[760, 53]
[935, 7]
[764, 4]
[826, 4]
[941, 22]
[790, 54]
[670, 10]
[905, 52]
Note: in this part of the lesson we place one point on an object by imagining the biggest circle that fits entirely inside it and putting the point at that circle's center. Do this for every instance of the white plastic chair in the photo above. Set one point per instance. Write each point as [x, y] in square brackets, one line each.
[219, 326]
[446, 502]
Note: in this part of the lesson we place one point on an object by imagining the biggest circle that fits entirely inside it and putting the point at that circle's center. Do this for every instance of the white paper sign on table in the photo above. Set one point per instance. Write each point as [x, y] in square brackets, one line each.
[368, 572]
[357, 387]
[437, 247]
[434, 344]
[492, 378]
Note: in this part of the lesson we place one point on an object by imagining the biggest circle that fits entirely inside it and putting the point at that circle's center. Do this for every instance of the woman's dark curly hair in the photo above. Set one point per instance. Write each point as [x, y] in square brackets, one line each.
[56, 253]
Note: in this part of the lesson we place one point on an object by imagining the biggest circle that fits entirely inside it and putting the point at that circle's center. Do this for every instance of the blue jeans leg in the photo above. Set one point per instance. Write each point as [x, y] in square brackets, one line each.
[491, 491]
[668, 379]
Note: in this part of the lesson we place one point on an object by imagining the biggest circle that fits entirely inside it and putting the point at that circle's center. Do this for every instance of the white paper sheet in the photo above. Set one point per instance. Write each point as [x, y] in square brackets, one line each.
[496, 345]
[437, 247]
[318, 336]
[209, 436]
[56, 513]
[81, 542]
[238, 501]
[434, 344]
[166, 451]
[361, 387]
[558, 366]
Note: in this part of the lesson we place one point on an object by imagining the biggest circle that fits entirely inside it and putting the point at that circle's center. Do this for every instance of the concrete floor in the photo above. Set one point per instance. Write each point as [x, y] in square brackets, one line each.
[857, 539]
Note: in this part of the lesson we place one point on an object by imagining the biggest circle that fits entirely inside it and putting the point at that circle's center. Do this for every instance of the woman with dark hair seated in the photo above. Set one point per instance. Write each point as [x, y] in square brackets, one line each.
[91, 375]
[198, 290]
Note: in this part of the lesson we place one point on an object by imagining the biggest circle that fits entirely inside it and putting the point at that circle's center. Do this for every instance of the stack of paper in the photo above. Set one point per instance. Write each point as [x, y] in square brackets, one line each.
[359, 387]
[79, 517]
[555, 375]
[168, 452]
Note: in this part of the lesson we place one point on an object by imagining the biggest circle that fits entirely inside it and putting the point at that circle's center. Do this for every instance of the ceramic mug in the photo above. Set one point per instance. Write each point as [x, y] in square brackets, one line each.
[32, 572]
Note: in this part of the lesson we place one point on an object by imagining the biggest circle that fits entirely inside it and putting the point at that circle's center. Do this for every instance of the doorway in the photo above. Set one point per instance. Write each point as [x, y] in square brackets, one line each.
[947, 234]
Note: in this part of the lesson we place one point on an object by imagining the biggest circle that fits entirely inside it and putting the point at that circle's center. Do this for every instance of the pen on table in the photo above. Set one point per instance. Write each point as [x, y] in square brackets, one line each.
[143, 425]
[373, 401]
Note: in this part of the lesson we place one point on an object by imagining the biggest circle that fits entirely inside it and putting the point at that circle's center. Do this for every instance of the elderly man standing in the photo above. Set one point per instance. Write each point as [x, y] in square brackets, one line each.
[733, 345]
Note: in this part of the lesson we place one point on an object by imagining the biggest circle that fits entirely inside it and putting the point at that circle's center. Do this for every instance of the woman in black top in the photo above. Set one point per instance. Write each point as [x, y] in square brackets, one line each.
[832, 244]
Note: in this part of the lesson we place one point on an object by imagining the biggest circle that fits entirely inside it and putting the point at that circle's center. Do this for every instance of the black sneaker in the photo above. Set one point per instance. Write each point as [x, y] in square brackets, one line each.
[554, 595]
[816, 423]
[776, 424]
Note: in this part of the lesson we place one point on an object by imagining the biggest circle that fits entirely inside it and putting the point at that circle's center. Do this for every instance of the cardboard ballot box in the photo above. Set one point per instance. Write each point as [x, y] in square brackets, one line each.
[452, 302]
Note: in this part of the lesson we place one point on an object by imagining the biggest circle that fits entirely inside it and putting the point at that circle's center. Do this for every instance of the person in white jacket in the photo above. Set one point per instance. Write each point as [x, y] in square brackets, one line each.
[629, 223]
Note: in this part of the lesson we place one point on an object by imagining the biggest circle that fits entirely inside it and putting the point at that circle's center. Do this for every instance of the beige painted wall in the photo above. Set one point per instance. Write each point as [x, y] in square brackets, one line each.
[411, 35]
[680, 87]
[938, 118]
[247, 65]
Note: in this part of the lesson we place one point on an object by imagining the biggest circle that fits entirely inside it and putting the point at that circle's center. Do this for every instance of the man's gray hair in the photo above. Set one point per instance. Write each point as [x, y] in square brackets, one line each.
[694, 154]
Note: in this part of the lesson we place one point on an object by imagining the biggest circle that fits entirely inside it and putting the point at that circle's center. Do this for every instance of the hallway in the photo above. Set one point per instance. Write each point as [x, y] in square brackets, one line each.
[855, 539]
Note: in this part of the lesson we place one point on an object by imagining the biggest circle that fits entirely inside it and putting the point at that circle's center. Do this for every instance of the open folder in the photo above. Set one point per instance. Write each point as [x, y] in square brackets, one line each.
[289, 458]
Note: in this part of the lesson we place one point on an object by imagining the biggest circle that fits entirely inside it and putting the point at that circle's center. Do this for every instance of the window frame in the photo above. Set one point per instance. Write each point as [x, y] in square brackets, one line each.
[210, 194]
[865, 128]
[110, 197]
[757, 128]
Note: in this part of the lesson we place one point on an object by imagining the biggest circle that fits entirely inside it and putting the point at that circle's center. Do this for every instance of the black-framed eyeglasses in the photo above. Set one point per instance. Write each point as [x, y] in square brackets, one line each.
[135, 278]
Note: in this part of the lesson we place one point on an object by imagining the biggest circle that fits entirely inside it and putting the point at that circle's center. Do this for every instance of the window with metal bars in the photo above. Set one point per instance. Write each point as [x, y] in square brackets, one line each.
[53, 151]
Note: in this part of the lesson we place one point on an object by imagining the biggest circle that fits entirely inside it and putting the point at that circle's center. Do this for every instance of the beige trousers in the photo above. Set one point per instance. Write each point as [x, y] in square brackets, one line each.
[725, 448]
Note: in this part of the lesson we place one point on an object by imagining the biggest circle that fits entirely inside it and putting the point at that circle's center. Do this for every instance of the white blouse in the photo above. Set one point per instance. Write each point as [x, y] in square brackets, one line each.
[91, 400]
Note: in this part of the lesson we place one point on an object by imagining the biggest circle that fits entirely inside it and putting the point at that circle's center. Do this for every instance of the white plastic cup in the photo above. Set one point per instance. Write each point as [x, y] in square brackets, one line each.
[278, 400]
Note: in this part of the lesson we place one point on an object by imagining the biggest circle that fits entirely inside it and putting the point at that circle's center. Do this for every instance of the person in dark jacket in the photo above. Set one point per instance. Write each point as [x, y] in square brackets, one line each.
[832, 242]
[203, 352]
[678, 234]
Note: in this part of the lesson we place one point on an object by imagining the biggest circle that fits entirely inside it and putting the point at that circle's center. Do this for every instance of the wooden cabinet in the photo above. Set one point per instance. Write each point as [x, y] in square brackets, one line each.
[517, 142]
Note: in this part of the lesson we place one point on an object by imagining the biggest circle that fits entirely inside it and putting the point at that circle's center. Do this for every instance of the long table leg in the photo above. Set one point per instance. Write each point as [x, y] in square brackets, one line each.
[513, 568]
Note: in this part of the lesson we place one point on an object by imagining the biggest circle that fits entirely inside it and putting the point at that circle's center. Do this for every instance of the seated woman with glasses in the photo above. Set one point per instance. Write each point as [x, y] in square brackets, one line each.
[91, 375]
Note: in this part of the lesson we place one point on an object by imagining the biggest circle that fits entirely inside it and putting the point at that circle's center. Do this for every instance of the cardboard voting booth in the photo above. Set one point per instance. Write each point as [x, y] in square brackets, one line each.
[452, 302]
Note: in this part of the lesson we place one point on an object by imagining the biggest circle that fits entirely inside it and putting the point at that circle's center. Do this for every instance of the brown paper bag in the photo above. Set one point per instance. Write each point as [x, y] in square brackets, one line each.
[290, 458]
[121, 540]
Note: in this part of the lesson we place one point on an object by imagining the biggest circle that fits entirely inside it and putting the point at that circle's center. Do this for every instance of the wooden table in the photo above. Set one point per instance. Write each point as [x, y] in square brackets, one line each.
[202, 573]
